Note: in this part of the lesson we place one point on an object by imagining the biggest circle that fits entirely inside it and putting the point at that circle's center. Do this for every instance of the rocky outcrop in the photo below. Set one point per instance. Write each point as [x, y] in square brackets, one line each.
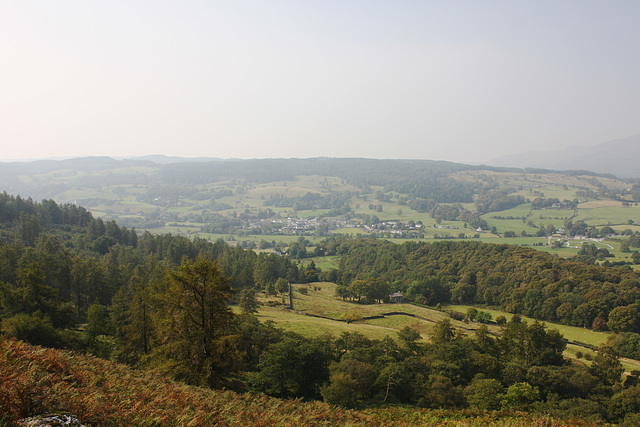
[50, 420]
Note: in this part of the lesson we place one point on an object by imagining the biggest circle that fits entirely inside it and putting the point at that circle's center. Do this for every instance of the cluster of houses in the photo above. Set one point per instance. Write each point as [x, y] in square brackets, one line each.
[301, 226]
[297, 226]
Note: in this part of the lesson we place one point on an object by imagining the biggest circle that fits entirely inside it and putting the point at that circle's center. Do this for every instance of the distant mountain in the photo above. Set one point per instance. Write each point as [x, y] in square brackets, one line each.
[620, 157]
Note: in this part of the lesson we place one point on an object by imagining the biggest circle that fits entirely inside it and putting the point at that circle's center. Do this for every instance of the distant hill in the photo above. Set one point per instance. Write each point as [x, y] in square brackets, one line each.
[618, 157]
[165, 160]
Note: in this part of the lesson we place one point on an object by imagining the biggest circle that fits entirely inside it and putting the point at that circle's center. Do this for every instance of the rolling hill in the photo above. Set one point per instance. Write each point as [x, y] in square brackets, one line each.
[618, 157]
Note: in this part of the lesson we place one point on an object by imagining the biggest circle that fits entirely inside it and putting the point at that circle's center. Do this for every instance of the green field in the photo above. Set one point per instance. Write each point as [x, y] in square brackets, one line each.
[323, 263]
[320, 300]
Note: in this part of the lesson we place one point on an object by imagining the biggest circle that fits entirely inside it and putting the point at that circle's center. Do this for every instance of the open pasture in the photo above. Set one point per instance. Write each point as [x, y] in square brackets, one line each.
[315, 327]
[323, 263]
[319, 312]
[610, 213]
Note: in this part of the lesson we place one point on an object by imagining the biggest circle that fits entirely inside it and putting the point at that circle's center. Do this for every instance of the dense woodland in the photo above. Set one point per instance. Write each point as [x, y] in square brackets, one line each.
[103, 393]
[164, 302]
[517, 279]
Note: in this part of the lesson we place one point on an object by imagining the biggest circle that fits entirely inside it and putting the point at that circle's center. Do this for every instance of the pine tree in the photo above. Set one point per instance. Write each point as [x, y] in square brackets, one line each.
[197, 342]
[248, 302]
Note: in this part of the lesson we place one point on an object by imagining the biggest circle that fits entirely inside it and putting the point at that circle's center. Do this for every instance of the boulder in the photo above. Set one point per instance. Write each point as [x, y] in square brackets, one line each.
[50, 420]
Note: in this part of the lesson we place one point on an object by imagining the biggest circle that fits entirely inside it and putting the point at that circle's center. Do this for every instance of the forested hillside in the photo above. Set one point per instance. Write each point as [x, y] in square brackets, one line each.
[185, 308]
[61, 268]
[102, 393]
[519, 280]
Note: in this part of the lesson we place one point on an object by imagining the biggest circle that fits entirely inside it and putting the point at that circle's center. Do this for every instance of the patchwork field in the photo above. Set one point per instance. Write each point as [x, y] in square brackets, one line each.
[245, 206]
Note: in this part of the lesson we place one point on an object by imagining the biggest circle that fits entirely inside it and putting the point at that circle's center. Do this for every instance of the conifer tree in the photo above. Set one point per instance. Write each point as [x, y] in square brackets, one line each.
[248, 302]
[196, 337]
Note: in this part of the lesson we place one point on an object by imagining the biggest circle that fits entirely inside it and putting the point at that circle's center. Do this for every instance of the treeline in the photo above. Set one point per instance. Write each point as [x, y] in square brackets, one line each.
[522, 369]
[47, 212]
[497, 200]
[516, 279]
[542, 202]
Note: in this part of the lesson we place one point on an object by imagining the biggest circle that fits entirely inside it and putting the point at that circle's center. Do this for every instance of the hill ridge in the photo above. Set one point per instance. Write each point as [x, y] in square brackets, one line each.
[617, 157]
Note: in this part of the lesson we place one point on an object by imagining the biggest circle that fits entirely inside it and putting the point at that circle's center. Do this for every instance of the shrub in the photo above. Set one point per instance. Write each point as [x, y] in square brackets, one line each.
[31, 328]
[483, 317]
[520, 395]
[456, 315]
[484, 393]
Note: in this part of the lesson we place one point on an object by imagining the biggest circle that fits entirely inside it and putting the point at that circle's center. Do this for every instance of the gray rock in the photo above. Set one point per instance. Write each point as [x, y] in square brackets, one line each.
[50, 420]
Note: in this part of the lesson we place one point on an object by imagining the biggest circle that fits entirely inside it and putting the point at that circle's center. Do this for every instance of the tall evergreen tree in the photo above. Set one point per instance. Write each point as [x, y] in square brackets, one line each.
[196, 338]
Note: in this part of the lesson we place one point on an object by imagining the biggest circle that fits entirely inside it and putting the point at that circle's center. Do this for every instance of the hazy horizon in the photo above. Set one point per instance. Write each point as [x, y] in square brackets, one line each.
[458, 81]
[488, 162]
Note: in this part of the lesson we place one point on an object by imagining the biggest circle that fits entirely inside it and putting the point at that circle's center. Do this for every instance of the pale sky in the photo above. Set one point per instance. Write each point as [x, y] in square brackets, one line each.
[463, 81]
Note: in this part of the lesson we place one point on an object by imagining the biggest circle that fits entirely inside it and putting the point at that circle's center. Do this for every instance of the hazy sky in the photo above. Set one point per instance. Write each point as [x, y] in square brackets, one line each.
[447, 80]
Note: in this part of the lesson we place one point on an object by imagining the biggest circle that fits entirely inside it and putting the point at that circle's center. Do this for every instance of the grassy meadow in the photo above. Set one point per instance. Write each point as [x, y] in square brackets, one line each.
[317, 312]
